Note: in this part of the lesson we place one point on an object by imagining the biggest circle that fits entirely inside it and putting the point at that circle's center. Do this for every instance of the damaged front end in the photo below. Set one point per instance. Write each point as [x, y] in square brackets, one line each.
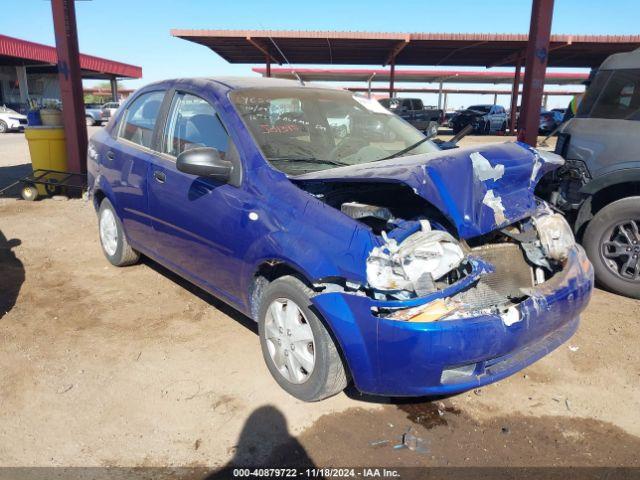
[450, 303]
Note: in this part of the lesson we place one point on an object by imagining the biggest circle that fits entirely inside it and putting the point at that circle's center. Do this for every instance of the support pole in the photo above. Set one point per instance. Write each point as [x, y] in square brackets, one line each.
[514, 97]
[545, 101]
[70, 78]
[446, 97]
[114, 89]
[23, 85]
[495, 98]
[369, 84]
[440, 97]
[535, 68]
[267, 61]
[392, 77]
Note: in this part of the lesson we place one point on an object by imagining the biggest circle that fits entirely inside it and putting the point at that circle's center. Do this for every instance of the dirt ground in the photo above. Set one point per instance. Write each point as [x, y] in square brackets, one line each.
[135, 367]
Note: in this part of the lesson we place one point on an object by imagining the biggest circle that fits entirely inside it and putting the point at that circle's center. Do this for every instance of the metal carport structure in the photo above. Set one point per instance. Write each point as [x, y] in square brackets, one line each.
[440, 77]
[424, 49]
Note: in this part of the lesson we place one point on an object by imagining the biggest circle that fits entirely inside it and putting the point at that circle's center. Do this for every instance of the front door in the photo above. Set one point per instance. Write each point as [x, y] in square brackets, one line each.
[196, 220]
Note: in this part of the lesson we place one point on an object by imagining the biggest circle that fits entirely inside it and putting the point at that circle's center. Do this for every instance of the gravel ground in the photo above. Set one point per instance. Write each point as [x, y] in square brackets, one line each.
[135, 367]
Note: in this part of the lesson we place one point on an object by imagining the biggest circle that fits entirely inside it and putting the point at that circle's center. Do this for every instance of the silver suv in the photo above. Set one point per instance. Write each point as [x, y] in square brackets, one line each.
[599, 186]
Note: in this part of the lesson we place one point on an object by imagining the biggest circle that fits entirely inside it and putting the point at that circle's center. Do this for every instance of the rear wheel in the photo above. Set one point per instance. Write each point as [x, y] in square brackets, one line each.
[112, 238]
[297, 348]
[3, 127]
[612, 242]
[29, 192]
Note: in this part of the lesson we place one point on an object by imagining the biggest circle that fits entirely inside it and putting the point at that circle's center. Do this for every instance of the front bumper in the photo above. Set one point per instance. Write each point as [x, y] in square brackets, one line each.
[395, 358]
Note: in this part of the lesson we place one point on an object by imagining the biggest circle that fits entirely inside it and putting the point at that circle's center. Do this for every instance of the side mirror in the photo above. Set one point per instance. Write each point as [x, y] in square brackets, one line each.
[205, 162]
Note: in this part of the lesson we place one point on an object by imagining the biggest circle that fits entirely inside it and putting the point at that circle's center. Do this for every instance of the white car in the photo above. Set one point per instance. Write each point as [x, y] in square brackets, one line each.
[11, 120]
[109, 109]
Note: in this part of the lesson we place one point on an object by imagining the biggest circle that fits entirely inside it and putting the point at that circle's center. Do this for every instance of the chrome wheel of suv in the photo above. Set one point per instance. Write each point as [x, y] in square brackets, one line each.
[622, 249]
[612, 242]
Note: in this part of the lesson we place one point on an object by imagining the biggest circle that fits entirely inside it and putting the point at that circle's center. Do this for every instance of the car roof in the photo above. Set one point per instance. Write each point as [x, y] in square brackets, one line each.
[621, 61]
[237, 82]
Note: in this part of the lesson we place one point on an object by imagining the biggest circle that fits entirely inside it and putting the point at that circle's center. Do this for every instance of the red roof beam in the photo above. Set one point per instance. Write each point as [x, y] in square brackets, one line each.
[37, 52]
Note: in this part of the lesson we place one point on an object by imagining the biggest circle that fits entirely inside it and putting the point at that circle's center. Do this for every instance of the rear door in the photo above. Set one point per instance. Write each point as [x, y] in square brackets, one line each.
[125, 159]
[196, 220]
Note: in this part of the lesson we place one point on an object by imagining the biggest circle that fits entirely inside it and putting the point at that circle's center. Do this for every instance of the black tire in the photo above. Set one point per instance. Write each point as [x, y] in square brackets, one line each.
[503, 127]
[29, 192]
[328, 376]
[123, 255]
[487, 128]
[600, 230]
[4, 128]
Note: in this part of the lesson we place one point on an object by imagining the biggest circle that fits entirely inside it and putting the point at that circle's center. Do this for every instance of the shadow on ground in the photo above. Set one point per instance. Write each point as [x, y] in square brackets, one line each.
[265, 442]
[242, 319]
[11, 274]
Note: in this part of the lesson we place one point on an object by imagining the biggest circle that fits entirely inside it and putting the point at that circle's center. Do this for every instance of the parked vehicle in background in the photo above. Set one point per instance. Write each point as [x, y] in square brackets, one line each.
[357, 255]
[10, 120]
[549, 121]
[483, 118]
[560, 112]
[599, 186]
[93, 114]
[413, 111]
[109, 109]
[447, 119]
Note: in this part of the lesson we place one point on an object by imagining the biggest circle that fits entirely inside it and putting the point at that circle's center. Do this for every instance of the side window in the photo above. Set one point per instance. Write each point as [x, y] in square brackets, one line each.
[417, 104]
[407, 104]
[193, 122]
[140, 119]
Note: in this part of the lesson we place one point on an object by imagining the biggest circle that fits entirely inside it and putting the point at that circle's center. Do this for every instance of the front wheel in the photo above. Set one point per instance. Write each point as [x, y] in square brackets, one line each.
[4, 128]
[297, 348]
[612, 243]
[89, 121]
[112, 238]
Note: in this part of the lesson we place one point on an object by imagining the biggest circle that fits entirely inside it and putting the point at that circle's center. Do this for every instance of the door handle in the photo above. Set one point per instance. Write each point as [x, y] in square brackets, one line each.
[111, 155]
[159, 176]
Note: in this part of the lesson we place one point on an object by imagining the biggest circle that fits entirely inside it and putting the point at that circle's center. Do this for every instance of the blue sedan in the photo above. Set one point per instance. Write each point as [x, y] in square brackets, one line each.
[364, 252]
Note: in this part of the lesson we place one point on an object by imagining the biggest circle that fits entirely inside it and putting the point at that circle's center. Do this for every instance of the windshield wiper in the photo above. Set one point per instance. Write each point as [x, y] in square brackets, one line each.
[322, 161]
[405, 150]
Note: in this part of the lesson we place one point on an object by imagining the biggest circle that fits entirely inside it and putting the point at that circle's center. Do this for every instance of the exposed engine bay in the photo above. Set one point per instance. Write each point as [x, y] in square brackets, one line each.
[420, 255]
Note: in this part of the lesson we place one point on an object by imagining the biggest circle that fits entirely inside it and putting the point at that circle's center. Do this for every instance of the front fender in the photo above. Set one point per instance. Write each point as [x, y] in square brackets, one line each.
[312, 254]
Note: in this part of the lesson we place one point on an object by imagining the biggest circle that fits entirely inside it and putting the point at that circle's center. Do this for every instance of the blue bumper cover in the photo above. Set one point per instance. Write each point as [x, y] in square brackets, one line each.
[396, 358]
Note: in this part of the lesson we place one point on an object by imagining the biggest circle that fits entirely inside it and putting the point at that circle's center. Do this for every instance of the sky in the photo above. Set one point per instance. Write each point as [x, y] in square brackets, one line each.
[137, 31]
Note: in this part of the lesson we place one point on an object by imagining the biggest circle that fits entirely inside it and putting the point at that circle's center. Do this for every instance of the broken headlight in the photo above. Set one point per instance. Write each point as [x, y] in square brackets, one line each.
[555, 235]
[415, 263]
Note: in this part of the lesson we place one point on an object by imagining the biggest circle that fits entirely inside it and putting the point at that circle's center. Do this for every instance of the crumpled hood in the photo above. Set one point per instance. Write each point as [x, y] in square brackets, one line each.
[478, 188]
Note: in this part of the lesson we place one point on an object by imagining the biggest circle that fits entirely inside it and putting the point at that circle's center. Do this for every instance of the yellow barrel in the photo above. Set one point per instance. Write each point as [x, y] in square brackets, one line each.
[48, 150]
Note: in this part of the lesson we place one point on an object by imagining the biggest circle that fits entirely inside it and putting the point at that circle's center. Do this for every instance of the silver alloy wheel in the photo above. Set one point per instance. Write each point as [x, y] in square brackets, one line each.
[108, 232]
[290, 340]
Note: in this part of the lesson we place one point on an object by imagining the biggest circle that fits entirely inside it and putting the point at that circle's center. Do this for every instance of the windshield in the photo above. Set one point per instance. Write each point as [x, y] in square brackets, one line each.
[480, 108]
[301, 130]
[613, 94]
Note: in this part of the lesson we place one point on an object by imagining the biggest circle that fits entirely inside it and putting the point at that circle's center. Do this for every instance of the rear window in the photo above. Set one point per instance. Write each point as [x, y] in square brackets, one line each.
[613, 94]
[139, 121]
